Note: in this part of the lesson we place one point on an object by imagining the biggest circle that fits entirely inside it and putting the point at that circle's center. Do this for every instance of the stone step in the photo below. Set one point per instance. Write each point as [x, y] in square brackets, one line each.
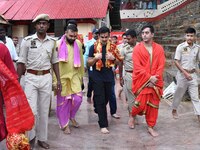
[170, 47]
[169, 63]
[169, 75]
[169, 55]
[167, 41]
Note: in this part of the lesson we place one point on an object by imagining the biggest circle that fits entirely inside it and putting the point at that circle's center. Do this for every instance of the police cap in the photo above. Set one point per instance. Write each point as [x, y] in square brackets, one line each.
[39, 17]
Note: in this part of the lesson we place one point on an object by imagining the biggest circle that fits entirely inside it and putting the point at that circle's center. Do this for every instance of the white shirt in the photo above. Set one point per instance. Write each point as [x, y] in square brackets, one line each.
[188, 56]
[11, 47]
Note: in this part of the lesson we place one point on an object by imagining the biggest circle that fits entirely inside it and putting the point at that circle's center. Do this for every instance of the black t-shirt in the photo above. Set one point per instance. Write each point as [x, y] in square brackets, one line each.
[105, 74]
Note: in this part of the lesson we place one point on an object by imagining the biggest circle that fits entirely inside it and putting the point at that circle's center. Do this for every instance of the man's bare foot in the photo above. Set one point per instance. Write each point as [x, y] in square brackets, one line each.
[116, 116]
[74, 123]
[175, 114]
[66, 130]
[131, 122]
[152, 132]
[104, 131]
[89, 100]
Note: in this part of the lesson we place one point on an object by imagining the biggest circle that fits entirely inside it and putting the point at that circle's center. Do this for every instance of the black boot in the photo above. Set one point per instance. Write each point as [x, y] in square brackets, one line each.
[43, 144]
[32, 143]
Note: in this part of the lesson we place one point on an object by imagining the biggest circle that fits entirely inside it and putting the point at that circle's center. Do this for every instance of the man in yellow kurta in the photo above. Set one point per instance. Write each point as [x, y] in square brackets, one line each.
[71, 73]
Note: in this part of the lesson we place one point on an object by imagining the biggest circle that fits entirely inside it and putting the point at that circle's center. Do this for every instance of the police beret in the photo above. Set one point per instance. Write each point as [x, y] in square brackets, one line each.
[41, 17]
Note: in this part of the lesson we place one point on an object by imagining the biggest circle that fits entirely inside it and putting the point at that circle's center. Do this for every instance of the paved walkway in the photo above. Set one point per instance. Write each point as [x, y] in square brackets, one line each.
[181, 134]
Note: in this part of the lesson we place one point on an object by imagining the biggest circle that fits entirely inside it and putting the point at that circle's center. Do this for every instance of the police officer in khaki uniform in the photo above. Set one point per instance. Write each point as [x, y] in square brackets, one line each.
[186, 57]
[126, 80]
[37, 54]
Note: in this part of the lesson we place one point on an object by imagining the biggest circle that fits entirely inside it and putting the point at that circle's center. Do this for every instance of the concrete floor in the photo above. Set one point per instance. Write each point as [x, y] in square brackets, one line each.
[181, 134]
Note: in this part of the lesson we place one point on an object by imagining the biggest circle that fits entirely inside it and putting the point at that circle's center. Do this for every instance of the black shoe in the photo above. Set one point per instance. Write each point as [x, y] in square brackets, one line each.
[43, 144]
[32, 143]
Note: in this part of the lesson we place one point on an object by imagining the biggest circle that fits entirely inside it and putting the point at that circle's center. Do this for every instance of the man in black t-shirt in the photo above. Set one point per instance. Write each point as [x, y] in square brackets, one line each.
[102, 56]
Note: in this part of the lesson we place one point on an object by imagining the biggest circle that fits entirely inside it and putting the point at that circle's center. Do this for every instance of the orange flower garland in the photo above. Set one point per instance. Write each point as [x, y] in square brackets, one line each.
[112, 48]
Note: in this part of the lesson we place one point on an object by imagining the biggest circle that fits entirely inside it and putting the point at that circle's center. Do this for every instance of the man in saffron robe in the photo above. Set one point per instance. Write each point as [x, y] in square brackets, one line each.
[148, 60]
[102, 56]
[71, 68]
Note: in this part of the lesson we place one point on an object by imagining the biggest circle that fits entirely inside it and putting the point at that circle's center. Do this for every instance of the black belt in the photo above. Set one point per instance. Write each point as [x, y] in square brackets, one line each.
[38, 72]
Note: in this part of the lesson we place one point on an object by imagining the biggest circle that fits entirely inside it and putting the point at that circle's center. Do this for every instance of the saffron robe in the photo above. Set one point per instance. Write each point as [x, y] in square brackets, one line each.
[145, 66]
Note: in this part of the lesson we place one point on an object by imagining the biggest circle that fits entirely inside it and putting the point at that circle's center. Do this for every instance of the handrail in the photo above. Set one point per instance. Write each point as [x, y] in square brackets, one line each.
[151, 13]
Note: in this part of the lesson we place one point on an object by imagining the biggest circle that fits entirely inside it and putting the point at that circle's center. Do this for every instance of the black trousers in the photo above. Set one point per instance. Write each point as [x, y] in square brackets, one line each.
[102, 93]
[90, 88]
[112, 100]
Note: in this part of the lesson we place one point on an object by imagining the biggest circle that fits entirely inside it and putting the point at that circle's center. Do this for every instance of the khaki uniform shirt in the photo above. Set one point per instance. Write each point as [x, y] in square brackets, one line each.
[127, 52]
[188, 56]
[37, 54]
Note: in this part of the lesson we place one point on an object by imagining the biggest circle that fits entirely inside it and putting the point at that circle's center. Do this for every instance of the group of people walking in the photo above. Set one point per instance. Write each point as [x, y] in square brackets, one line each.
[141, 67]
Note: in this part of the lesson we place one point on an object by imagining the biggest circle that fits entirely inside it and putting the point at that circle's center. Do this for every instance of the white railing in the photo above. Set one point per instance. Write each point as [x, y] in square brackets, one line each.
[162, 8]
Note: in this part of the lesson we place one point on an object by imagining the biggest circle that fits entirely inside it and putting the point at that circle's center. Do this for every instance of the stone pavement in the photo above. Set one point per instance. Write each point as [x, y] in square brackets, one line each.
[181, 134]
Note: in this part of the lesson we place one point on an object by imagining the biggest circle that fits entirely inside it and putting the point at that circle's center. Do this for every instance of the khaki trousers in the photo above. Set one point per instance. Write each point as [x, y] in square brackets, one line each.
[128, 90]
[38, 90]
[182, 85]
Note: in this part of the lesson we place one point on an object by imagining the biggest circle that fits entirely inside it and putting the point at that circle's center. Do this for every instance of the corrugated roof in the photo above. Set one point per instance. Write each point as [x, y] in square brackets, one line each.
[59, 9]
[3, 20]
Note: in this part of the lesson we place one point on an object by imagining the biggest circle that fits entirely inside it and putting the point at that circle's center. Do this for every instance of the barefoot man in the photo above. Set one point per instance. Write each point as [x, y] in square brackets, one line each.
[149, 61]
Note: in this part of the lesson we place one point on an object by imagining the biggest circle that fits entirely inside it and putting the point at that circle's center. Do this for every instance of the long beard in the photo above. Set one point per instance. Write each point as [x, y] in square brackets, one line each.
[70, 41]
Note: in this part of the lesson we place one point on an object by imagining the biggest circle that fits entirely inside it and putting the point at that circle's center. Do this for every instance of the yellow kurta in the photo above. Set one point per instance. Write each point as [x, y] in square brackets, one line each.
[71, 77]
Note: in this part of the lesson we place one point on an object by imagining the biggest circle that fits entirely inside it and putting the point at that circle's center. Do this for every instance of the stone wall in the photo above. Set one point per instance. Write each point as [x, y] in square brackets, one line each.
[169, 32]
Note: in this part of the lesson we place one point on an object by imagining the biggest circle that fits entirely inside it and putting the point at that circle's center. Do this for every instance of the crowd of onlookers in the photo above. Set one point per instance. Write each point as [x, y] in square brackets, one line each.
[141, 4]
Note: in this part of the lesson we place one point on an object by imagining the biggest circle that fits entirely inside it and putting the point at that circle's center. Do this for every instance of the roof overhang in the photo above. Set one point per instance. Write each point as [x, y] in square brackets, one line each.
[59, 9]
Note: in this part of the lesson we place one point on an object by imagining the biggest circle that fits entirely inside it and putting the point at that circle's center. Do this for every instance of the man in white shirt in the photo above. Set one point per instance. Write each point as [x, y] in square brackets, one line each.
[10, 45]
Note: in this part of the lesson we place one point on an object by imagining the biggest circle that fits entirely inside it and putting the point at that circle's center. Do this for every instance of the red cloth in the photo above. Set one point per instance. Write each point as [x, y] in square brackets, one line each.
[6, 58]
[19, 116]
[151, 113]
[143, 70]
[3, 131]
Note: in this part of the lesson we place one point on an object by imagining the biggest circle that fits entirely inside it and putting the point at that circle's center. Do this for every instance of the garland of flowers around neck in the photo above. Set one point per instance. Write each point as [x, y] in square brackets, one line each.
[109, 48]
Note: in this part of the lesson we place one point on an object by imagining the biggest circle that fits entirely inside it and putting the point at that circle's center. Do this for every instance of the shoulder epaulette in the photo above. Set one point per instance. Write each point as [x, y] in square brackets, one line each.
[198, 45]
[53, 38]
[182, 44]
[28, 37]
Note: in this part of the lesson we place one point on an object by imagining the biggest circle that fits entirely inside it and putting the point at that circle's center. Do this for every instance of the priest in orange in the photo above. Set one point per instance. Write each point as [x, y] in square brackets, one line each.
[149, 61]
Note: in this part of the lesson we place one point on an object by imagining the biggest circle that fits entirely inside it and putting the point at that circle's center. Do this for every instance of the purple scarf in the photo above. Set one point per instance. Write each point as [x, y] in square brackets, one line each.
[63, 52]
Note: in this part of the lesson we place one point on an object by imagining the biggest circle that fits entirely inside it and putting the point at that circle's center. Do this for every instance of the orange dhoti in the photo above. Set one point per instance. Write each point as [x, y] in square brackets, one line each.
[147, 104]
[147, 66]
